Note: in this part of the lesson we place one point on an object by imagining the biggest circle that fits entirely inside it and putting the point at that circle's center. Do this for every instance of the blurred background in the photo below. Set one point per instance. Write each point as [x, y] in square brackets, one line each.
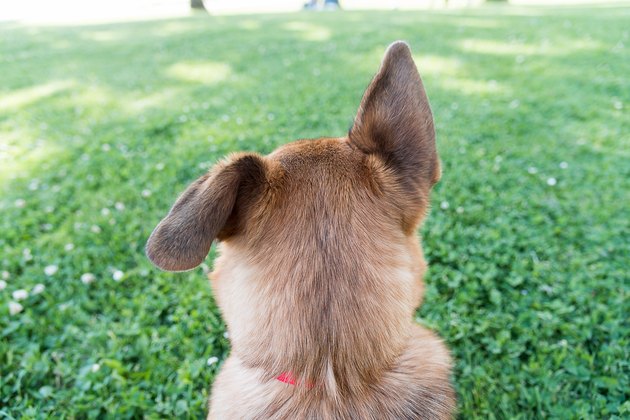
[108, 109]
[78, 11]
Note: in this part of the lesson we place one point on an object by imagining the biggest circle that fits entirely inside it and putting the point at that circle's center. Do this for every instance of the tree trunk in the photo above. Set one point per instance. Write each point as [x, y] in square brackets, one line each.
[197, 4]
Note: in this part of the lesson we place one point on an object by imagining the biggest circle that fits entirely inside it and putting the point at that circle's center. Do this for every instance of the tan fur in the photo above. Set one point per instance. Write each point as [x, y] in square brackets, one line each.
[320, 270]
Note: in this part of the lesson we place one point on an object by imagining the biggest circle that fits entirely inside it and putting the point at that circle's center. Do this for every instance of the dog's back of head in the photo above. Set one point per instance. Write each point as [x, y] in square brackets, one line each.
[390, 150]
[328, 225]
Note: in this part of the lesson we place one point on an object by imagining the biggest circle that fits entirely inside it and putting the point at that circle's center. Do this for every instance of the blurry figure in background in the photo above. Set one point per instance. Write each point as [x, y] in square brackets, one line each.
[322, 5]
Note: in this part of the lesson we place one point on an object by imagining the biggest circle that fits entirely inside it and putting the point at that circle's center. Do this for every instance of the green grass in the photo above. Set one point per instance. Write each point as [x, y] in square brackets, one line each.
[528, 282]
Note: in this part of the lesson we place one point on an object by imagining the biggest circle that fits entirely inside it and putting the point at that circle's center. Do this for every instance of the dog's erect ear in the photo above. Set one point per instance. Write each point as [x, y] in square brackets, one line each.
[395, 122]
[208, 209]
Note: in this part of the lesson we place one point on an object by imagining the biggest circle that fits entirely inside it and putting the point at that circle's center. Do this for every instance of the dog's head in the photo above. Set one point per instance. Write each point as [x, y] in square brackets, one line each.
[326, 196]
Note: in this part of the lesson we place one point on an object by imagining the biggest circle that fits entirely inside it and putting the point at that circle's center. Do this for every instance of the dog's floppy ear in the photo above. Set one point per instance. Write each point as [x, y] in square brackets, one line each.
[395, 122]
[208, 209]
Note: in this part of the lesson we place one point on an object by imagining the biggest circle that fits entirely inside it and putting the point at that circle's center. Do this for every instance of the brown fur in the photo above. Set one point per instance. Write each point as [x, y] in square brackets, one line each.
[320, 270]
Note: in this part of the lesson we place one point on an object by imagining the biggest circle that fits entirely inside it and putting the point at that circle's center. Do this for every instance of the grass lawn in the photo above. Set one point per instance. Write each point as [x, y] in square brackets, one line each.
[528, 240]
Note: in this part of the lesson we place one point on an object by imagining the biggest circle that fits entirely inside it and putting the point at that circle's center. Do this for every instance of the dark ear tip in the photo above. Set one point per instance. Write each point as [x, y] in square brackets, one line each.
[153, 255]
[169, 265]
[162, 261]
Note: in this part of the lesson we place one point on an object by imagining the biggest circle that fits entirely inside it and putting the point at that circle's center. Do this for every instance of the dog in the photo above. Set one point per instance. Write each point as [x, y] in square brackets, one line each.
[320, 268]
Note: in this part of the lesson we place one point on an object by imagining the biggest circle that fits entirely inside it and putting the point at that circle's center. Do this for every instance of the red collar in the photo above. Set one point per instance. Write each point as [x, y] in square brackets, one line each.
[288, 378]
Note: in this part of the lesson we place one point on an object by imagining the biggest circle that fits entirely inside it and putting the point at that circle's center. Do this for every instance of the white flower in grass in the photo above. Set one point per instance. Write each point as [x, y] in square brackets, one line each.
[563, 165]
[95, 229]
[226, 334]
[551, 181]
[212, 360]
[26, 254]
[69, 247]
[618, 105]
[532, 170]
[546, 288]
[119, 206]
[146, 193]
[33, 185]
[50, 270]
[3, 284]
[105, 211]
[95, 367]
[106, 147]
[444, 205]
[159, 166]
[459, 210]
[88, 278]
[118, 275]
[514, 104]
[15, 308]
[20, 203]
[5, 275]
[38, 288]
[19, 294]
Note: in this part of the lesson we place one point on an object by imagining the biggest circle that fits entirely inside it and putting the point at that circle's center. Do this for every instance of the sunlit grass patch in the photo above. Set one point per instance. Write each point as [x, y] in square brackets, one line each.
[206, 73]
[18, 98]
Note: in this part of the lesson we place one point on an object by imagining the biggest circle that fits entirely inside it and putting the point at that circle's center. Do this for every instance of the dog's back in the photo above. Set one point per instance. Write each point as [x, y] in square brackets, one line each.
[320, 270]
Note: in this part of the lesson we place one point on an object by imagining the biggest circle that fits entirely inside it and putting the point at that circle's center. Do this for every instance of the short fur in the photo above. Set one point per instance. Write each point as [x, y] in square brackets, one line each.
[320, 270]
